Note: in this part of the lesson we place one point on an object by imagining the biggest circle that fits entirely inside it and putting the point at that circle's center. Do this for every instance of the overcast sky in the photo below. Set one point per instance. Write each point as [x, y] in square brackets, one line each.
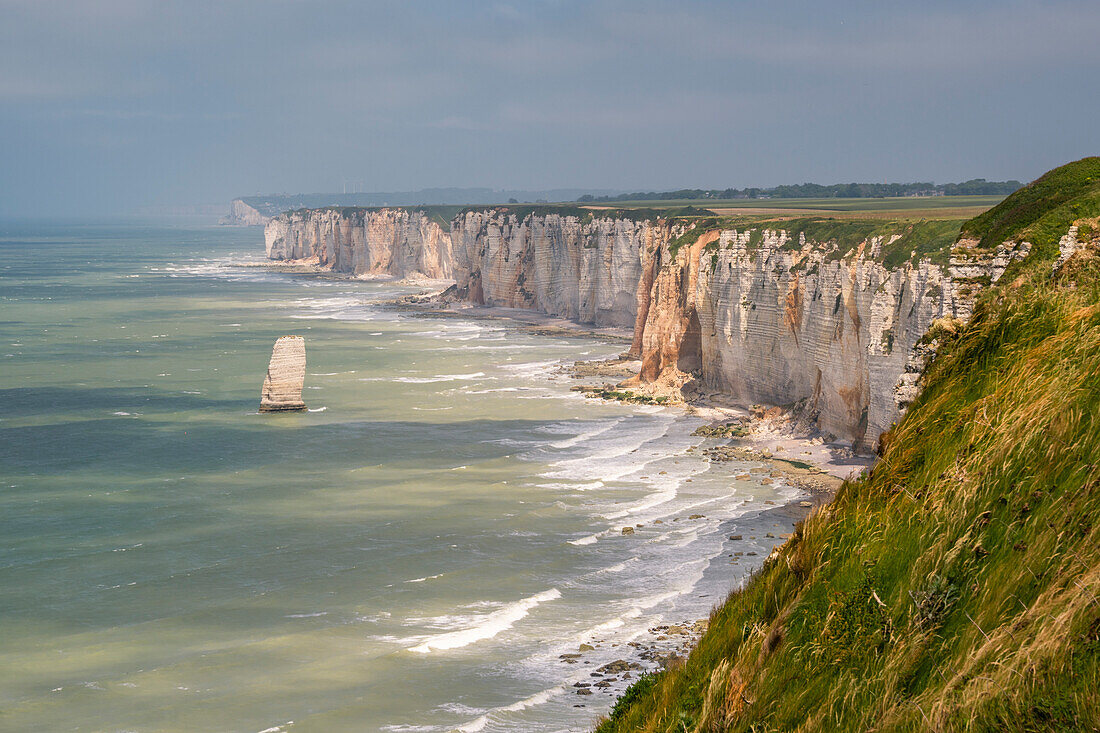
[113, 105]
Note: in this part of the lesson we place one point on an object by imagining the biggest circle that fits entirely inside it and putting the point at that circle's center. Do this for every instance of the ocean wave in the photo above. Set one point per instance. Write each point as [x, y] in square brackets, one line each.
[615, 457]
[278, 728]
[531, 369]
[490, 625]
[231, 270]
[573, 486]
[588, 435]
[617, 567]
[657, 498]
[539, 698]
[440, 378]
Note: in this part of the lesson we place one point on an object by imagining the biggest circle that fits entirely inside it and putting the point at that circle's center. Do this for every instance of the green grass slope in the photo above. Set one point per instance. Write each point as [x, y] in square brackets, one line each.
[1041, 210]
[957, 587]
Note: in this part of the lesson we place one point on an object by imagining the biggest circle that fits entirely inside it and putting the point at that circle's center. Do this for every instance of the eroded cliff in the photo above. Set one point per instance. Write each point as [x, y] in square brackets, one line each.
[578, 267]
[769, 318]
[825, 317]
[403, 243]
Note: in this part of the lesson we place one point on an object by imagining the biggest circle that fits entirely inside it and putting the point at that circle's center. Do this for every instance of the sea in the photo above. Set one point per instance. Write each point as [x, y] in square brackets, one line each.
[415, 552]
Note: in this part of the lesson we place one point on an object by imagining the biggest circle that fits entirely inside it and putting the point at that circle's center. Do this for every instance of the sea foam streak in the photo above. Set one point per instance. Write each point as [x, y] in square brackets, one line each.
[440, 378]
[489, 627]
[537, 699]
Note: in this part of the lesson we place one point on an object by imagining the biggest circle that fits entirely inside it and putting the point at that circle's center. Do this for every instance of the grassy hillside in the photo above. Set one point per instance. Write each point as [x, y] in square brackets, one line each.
[1040, 211]
[958, 586]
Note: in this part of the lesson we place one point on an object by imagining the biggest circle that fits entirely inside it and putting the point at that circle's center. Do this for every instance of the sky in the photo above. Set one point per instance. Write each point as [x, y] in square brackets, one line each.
[114, 106]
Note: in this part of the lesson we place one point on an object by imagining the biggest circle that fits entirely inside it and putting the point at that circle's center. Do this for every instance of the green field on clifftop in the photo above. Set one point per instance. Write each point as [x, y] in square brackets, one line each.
[945, 206]
[957, 587]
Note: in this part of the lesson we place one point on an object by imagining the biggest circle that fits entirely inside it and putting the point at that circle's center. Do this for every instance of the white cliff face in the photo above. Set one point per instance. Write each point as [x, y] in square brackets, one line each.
[587, 271]
[753, 314]
[782, 324]
[241, 214]
[396, 242]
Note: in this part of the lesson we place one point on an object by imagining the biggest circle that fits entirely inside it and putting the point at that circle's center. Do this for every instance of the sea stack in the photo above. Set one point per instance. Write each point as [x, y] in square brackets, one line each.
[285, 374]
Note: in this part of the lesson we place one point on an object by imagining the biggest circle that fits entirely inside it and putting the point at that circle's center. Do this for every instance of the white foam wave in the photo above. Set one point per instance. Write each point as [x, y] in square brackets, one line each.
[609, 460]
[657, 498]
[490, 625]
[440, 378]
[538, 698]
[583, 486]
[278, 728]
[531, 368]
[600, 430]
[617, 567]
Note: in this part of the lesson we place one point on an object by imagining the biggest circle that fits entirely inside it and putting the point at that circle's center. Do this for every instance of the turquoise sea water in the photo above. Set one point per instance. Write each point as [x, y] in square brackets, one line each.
[412, 554]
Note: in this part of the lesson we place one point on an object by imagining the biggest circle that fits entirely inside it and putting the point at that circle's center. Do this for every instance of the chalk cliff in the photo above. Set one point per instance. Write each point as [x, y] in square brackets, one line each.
[784, 321]
[245, 215]
[582, 268]
[762, 314]
[402, 243]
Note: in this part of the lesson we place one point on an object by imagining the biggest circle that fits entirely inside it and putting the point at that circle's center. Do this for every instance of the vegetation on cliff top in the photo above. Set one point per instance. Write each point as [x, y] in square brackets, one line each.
[916, 240]
[957, 587]
[919, 240]
[587, 214]
[444, 215]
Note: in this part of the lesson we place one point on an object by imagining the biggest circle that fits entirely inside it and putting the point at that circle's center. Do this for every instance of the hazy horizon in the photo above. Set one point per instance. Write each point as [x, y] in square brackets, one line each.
[117, 106]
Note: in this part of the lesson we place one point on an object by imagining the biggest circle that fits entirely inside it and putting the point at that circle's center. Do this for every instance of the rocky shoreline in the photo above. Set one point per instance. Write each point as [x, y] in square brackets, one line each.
[665, 645]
